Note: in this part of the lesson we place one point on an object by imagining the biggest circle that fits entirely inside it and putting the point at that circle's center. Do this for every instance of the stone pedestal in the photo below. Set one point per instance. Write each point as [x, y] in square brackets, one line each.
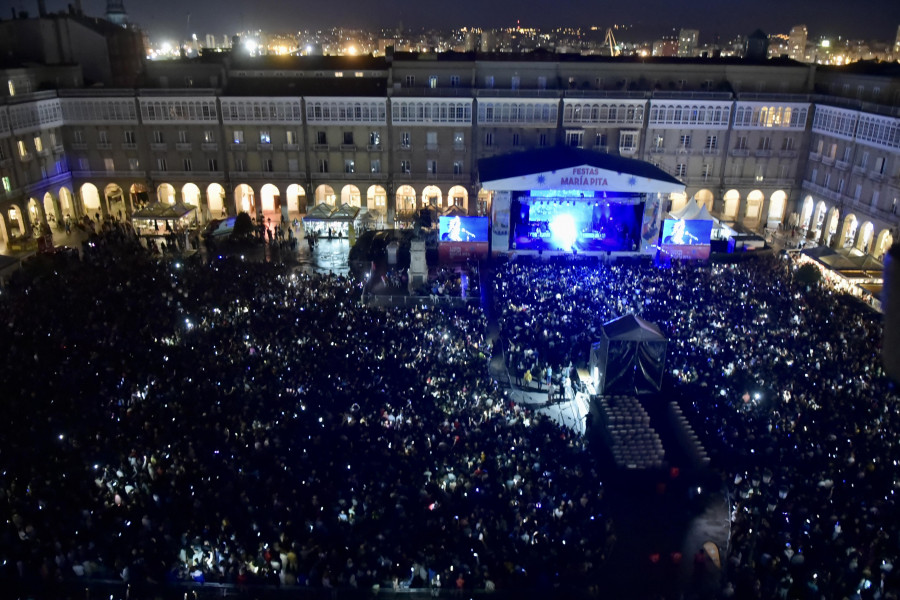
[418, 268]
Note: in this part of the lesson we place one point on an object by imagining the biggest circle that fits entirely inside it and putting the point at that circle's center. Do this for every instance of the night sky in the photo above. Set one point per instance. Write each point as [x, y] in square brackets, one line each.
[867, 19]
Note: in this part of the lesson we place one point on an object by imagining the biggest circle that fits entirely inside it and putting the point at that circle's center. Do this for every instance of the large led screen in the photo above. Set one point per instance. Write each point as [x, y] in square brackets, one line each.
[681, 232]
[463, 229]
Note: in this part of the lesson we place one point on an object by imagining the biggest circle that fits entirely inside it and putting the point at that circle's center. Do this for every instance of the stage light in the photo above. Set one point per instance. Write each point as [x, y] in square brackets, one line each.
[563, 230]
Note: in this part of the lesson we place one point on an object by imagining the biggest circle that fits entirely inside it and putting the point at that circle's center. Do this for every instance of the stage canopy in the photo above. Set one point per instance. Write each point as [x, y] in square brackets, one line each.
[561, 168]
[629, 358]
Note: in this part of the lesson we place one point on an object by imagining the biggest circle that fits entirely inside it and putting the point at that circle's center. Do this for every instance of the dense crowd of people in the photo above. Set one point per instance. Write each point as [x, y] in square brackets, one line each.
[246, 423]
[243, 423]
[787, 386]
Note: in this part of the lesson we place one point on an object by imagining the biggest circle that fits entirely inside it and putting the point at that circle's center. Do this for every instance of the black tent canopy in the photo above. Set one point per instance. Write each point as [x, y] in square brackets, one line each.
[629, 358]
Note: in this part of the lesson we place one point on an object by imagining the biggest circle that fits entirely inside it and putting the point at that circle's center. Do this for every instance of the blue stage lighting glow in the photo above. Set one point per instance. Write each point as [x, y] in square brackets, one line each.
[563, 231]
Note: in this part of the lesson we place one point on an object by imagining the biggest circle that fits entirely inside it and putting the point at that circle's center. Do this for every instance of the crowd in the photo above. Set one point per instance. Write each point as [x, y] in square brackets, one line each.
[243, 423]
[786, 385]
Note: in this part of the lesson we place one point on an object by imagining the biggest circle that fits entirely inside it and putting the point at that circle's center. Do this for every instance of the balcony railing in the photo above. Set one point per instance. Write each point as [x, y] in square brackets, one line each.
[209, 146]
[815, 156]
[710, 151]
[184, 146]
[104, 146]
[264, 147]
[787, 154]
[822, 191]
[842, 165]
[374, 148]
[321, 147]
[763, 153]
[348, 147]
[78, 146]
[827, 160]
[159, 146]
[290, 147]
[129, 146]
[740, 152]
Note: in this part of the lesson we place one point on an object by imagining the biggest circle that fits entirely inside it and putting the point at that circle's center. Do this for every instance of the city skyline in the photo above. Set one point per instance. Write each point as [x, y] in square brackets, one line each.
[870, 19]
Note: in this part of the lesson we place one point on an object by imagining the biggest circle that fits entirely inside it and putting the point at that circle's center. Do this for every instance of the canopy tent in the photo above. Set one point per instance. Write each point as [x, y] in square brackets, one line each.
[163, 211]
[629, 358]
[174, 216]
[692, 211]
[345, 212]
[320, 212]
[845, 260]
[454, 211]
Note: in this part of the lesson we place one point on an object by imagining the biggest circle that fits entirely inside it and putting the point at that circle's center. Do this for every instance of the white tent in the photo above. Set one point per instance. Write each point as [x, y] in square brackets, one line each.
[692, 211]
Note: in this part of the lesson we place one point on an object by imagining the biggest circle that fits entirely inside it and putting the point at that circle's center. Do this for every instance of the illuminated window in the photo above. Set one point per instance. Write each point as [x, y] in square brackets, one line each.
[264, 137]
[238, 136]
[23, 149]
[349, 165]
[12, 87]
[375, 165]
[433, 82]
[7, 185]
[209, 136]
[38, 143]
[109, 164]
[134, 164]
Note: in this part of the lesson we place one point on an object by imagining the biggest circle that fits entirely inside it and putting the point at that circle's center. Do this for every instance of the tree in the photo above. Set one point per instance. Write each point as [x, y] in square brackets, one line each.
[808, 274]
[243, 227]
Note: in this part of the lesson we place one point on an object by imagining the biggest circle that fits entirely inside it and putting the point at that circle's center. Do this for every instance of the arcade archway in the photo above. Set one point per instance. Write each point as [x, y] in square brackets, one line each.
[296, 201]
[191, 195]
[458, 196]
[883, 243]
[406, 198]
[245, 200]
[704, 198]
[678, 201]
[67, 204]
[818, 221]
[166, 193]
[325, 195]
[215, 201]
[806, 212]
[848, 231]
[90, 200]
[732, 200]
[777, 203]
[431, 197]
[51, 210]
[376, 198]
[115, 200]
[865, 236]
[350, 195]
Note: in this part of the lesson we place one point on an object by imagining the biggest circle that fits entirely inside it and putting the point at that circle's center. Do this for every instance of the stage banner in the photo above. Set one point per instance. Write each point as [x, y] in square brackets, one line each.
[650, 224]
[462, 251]
[696, 251]
[500, 222]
